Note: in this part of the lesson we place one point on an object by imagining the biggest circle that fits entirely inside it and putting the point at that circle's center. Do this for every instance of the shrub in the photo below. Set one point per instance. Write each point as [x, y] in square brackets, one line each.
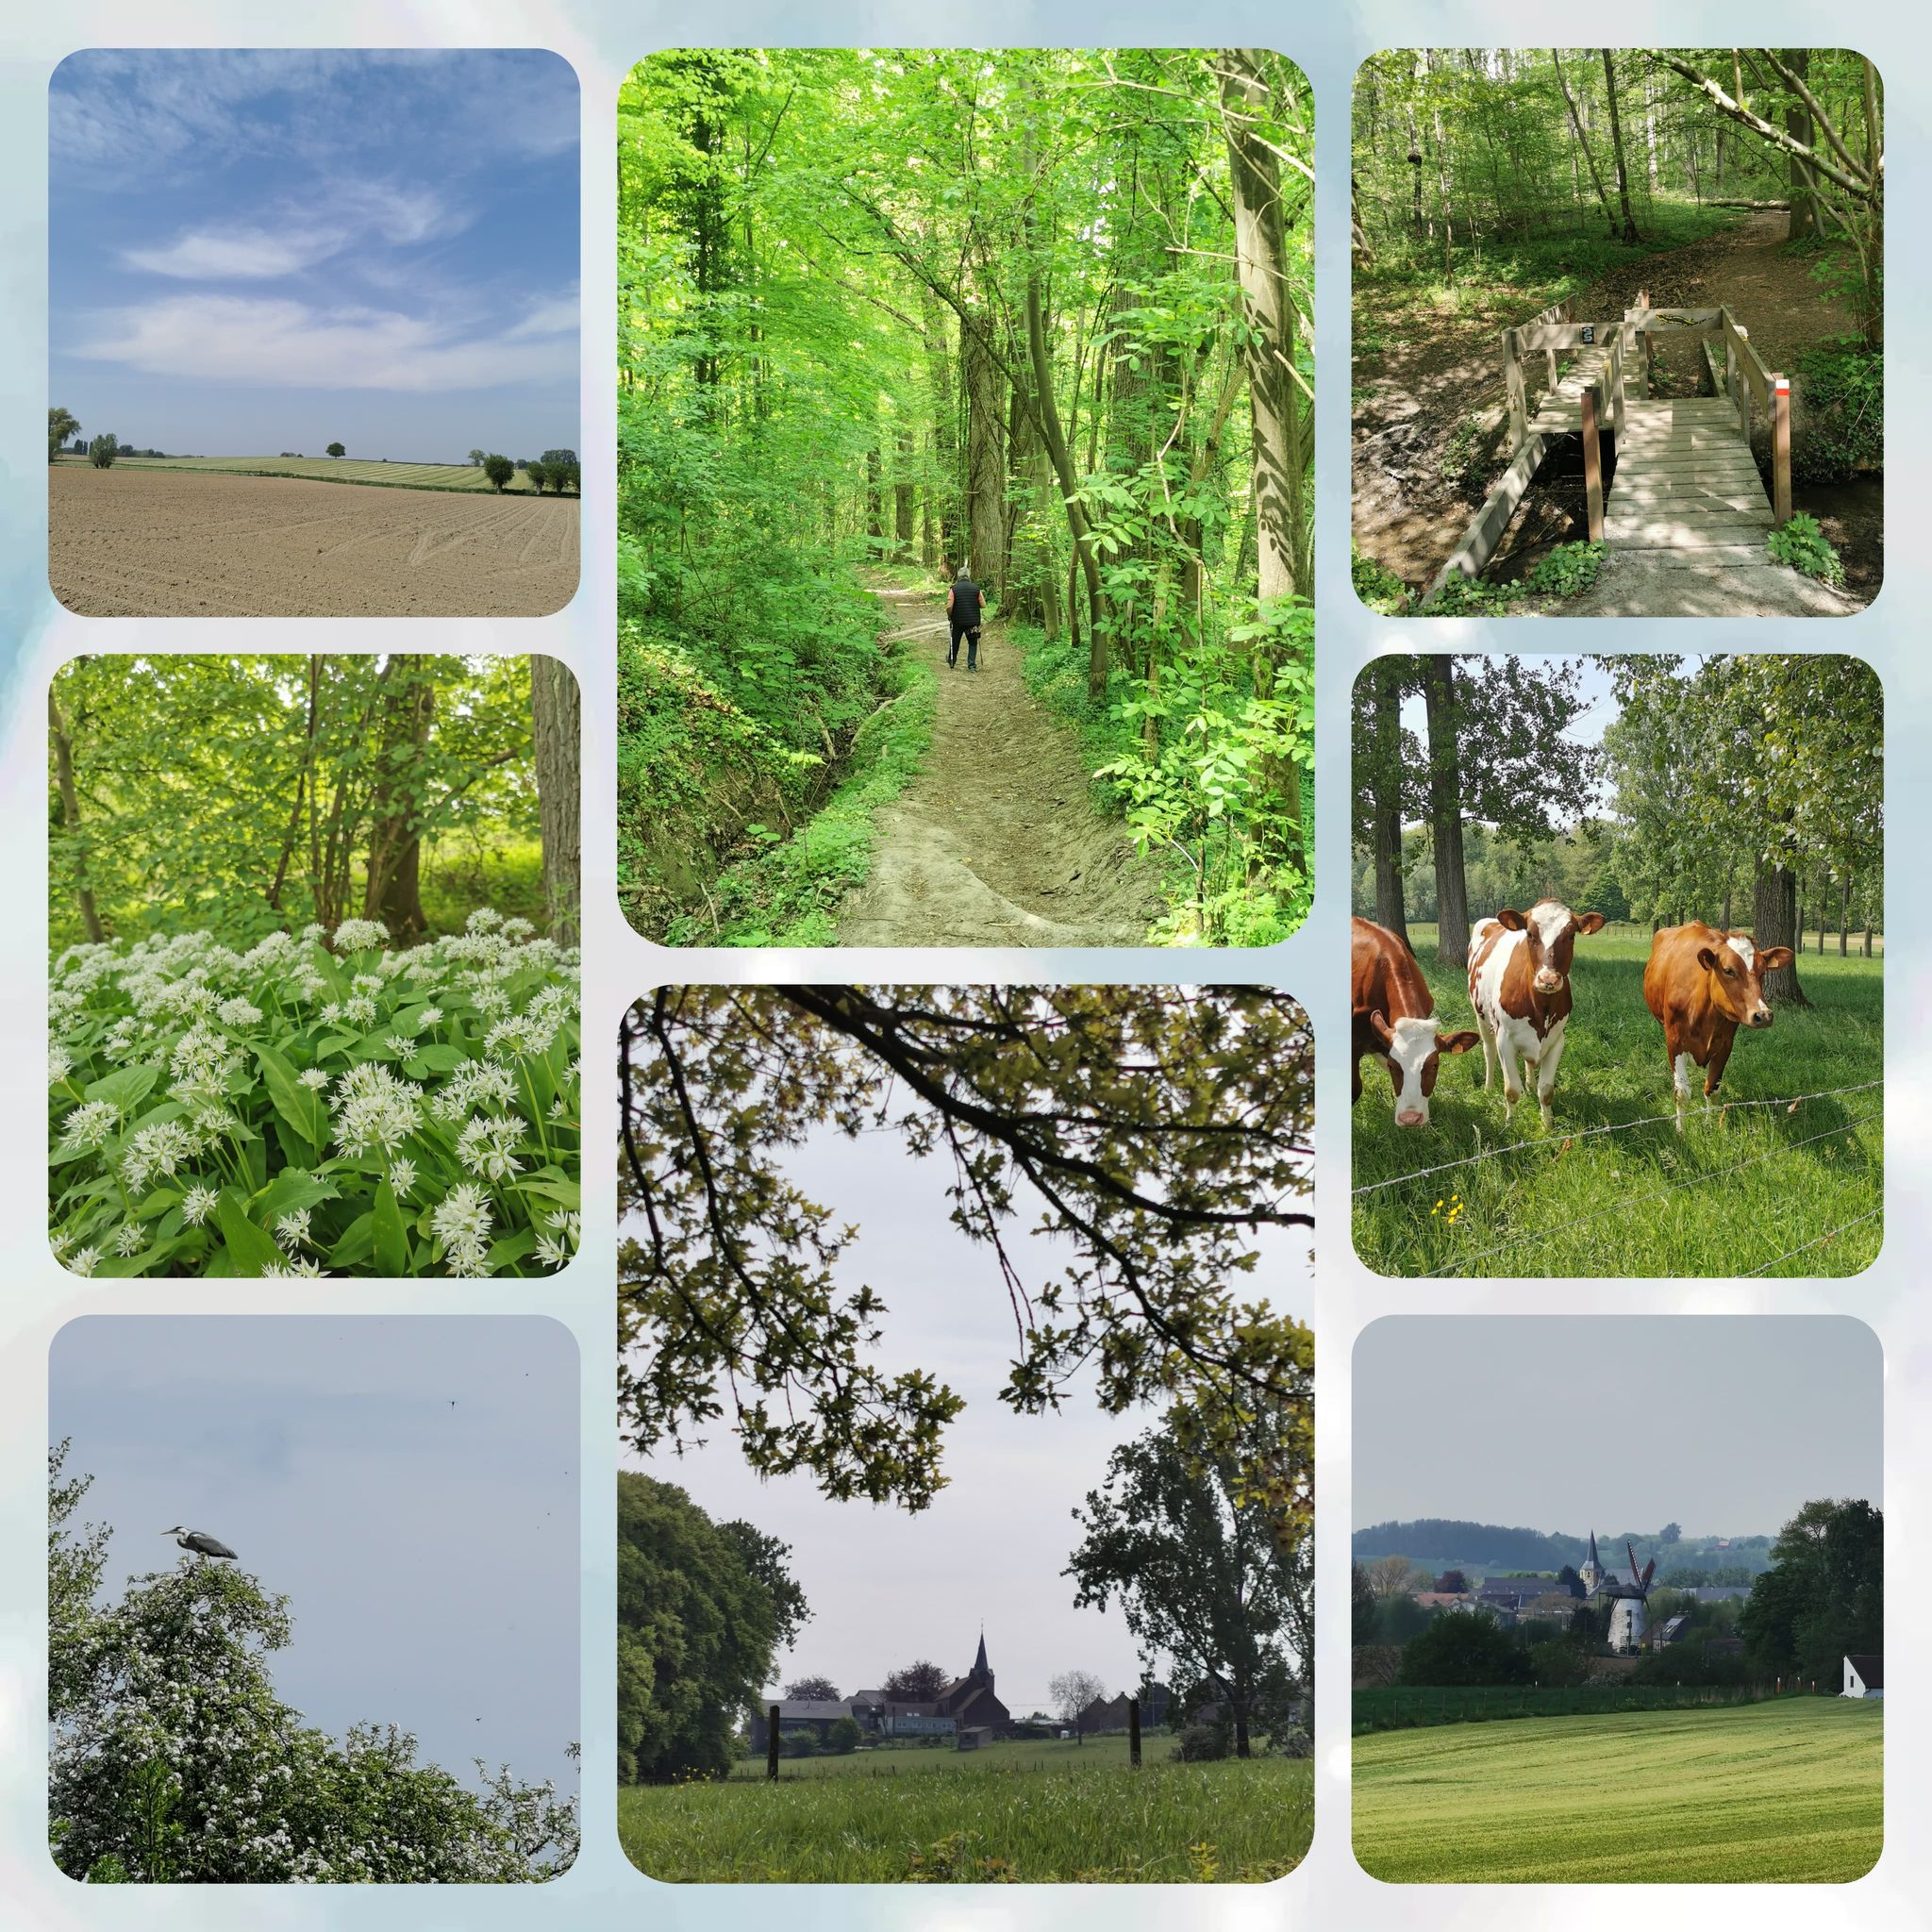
[311, 1108]
[1803, 546]
[102, 451]
[1378, 587]
[845, 1737]
[1464, 1647]
[536, 474]
[499, 470]
[799, 1744]
[1204, 1742]
[1841, 430]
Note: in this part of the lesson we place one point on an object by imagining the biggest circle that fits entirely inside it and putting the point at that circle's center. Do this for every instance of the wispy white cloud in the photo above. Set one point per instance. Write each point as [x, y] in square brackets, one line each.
[284, 345]
[335, 216]
[557, 316]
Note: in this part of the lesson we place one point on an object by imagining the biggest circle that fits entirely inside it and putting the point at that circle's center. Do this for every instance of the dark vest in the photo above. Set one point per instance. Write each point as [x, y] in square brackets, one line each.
[967, 600]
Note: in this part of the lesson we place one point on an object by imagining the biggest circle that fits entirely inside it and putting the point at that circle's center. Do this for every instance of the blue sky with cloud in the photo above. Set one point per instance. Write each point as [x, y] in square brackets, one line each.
[410, 1483]
[253, 252]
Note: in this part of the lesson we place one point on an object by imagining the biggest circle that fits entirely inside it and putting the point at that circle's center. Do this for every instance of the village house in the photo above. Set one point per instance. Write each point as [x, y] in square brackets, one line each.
[1864, 1675]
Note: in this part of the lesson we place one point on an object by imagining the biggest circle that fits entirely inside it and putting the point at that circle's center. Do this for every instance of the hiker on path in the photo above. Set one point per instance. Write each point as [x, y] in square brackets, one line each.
[965, 606]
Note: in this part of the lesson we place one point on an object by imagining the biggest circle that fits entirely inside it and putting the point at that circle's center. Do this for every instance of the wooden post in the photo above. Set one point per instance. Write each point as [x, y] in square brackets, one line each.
[1743, 396]
[1133, 1732]
[1617, 384]
[1594, 461]
[772, 1743]
[1781, 448]
[1519, 402]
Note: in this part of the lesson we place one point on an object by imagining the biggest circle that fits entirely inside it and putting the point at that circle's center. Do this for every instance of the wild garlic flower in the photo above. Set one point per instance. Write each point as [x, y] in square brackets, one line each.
[313, 1077]
[294, 1267]
[238, 1012]
[90, 1124]
[58, 1064]
[291, 1230]
[402, 1174]
[356, 934]
[484, 1146]
[461, 1221]
[375, 1109]
[84, 1262]
[129, 1238]
[198, 1204]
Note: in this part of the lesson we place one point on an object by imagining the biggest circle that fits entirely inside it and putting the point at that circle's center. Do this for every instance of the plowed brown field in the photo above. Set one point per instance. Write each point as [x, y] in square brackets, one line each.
[124, 543]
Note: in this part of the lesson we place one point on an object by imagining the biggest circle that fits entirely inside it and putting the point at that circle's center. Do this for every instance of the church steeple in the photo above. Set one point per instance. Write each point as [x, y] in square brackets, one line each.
[1592, 1571]
[980, 1667]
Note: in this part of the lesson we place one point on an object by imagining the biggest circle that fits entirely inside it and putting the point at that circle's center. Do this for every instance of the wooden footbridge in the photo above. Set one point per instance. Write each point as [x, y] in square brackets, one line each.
[1684, 490]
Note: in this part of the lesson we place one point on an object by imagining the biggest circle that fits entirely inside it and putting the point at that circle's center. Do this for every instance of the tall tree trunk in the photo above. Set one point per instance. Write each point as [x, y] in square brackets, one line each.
[938, 372]
[1385, 685]
[1445, 810]
[1442, 175]
[985, 469]
[1629, 228]
[1804, 222]
[1774, 922]
[69, 820]
[1596, 179]
[875, 500]
[1844, 917]
[1278, 450]
[902, 497]
[391, 877]
[557, 736]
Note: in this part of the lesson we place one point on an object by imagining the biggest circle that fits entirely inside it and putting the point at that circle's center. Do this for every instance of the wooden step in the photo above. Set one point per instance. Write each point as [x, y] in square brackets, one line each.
[1707, 559]
[1667, 532]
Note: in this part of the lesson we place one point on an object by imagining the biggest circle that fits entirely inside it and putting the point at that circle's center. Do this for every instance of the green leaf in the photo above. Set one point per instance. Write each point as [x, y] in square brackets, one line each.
[250, 1249]
[356, 1244]
[126, 1088]
[301, 1108]
[391, 1241]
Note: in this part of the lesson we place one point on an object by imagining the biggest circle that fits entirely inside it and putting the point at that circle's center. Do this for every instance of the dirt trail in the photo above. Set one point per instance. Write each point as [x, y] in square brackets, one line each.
[1408, 518]
[996, 842]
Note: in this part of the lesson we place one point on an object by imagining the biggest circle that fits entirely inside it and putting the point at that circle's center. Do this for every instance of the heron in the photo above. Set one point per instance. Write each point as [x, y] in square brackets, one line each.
[198, 1541]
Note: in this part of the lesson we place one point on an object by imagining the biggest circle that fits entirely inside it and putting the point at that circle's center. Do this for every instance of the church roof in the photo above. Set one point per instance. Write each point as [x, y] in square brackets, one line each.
[1594, 1558]
[980, 1663]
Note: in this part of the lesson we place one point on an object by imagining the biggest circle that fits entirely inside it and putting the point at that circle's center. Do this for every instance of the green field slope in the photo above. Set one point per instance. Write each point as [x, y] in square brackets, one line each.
[1031, 1814]
[329, 470]
[1761, 1189]
[1786, 1792]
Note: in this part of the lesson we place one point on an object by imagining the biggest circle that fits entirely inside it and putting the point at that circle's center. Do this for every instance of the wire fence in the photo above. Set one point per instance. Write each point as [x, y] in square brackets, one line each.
[1547, 1142]
[1696, 1180]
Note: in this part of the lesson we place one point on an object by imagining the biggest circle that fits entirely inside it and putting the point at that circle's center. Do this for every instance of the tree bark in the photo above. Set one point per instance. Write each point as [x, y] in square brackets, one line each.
[1804, 222]
[556, 733]
[1774, 922]
[875, 500]
[902, 497]
[1445, 810]
[1629, 230]
[938, 372]
[1276, 429]
[1385, 685]
[392, 880]
[69, 820]
[979, 371]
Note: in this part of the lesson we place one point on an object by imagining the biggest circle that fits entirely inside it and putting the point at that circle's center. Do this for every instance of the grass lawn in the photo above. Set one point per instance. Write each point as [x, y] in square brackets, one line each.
[1027, 1813]
[1787, 1792]
[1748, 1189]
[462, 476]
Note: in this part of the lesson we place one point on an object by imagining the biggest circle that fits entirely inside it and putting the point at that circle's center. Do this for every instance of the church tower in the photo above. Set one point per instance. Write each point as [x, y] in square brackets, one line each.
[982, 1671]
[1593, 1571]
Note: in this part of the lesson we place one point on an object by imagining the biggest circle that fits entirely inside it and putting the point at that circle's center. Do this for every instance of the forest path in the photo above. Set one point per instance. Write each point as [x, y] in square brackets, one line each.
[996, 842]
[1444, 368]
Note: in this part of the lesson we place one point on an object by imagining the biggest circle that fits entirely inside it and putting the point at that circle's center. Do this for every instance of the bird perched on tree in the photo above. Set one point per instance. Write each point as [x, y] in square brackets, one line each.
[198, 1541]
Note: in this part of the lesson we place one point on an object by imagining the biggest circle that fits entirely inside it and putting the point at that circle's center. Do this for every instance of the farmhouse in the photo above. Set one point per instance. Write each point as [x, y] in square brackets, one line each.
[1864, 1675]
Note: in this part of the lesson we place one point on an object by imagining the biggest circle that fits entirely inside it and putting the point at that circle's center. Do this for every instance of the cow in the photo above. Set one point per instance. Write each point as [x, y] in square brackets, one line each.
[1519, 984]
[1702, 985]
[1394, 1017]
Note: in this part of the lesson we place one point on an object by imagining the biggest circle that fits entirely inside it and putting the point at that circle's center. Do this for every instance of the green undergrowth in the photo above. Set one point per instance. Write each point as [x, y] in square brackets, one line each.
[1803, 546]
[1568, 571]
[1191, 799]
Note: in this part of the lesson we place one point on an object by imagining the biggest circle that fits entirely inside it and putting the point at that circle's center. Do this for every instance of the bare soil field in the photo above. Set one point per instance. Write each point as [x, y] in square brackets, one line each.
[124, 543]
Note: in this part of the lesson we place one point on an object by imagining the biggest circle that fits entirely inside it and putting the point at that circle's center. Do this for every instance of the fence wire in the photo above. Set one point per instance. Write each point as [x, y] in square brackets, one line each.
[1548, 1140]
[1816, 1242]
[1696, 1180]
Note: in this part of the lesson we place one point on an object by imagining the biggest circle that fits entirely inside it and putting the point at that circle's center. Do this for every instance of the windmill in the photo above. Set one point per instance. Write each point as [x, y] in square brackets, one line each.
[1626, 1600]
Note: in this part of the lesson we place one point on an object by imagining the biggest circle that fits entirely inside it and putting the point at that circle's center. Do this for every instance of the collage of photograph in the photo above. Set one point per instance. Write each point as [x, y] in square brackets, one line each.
[866, 774]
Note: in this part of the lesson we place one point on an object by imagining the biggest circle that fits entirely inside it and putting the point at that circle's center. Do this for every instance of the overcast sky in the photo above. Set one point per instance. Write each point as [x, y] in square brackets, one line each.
[253, 252]
[409, 1484]
[886, 1588]
[1723, 1424]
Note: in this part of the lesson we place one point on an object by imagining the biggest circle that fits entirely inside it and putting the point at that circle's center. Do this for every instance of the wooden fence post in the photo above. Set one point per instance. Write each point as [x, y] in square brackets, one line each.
[1593, 462]
[1519, 402]
[1133, 1732]
[1781, 448]
[772, 1743]
[1617, 383]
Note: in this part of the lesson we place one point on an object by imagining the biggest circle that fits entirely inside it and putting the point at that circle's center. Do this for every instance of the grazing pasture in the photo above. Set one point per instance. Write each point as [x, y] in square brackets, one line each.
[150, 541]
[1746, 1189]
[1028, 1813]
[463, 477]
[1788, 1792]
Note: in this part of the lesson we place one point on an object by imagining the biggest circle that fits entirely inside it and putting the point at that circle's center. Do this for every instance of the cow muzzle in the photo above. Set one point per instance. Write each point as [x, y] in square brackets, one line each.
[1760, 1015]
[1547, 982]
[1412, 1117]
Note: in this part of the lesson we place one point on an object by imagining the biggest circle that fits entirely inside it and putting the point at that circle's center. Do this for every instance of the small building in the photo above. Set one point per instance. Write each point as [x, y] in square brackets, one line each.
[1444, 1599]
[1865, 1675]
[814, 1714]
[1668, 1632]
[974, 1735]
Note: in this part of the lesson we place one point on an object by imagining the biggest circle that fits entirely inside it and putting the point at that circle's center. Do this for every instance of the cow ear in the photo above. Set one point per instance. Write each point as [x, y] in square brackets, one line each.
[1379, 1027]
[1511, 920]
[1590, 921]
[1707, 959]
[1456, 1043]
[1773, 958]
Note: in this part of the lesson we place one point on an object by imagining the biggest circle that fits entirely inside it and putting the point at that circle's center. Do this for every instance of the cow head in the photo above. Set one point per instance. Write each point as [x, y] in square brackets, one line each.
[1413, 1049]
[1549, 930]
[1736, 971]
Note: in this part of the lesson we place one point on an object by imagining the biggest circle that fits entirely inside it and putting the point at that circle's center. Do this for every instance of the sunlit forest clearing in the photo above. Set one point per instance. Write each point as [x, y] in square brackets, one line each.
[1497, 190]
[1037, 316]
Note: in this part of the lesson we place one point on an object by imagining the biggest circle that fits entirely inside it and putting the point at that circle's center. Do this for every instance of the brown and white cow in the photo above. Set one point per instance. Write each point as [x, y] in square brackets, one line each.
[1519, 984]
[1702, 985]
[1394, 1017]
